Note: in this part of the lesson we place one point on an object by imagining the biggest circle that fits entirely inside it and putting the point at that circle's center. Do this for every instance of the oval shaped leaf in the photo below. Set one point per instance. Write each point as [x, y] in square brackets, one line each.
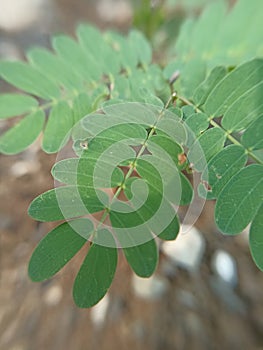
[59, 124]
[252, 137]
[205, 147]
[142, 258]
[256, 238]
[57, 248]
[55, 68]
[96, 273]
[28, 79]
[240, 199]
[63, 203]
[221, 168]
[20, 136]
[15, 104]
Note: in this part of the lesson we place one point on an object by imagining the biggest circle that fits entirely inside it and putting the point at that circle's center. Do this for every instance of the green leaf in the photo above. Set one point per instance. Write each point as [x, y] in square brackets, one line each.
[65, 171]
[58, 247]
[256, 238]
[70, 170]
[74, 55]
[59, 124]
[142, 258]
[171, 231]
[28, 79]
[205, 147]
[82, 105]
[191, 75]
[55, 68]
[221, 168]
[96, 273]
[203, 90]
[63, 203]
[252, 137]
[23, 134]
[186, 191]
[238, 96]
[141, 46]
[15, 104]
[95, 49]
[240, 200]
[167, 144]
[198, 123]
[221, 37]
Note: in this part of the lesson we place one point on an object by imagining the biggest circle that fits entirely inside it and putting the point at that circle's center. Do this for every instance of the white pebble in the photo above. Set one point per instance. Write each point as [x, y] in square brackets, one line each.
[187, 250]
[151, 288]
[99, 311]
[53, 295]
[22, 168]
[17, 15]
[224, 266]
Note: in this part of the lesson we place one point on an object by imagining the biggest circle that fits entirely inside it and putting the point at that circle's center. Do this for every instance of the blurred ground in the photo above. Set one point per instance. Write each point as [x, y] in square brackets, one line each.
[186, 309]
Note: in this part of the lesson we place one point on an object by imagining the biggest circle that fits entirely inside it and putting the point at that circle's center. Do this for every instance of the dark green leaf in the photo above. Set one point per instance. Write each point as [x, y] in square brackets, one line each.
[205, 147]
[142, 258]
[221, 168]
[253, 135]
[171, 231]
[57, 248]
[63, 203]
[256, 238]
[240, 200]
[96, 273]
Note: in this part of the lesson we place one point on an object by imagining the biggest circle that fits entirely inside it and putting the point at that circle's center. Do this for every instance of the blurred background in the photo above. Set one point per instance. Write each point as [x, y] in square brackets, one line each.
[206, 293]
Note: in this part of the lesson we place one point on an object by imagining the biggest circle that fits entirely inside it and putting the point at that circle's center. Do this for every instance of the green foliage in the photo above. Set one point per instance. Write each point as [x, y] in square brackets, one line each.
[137, 130]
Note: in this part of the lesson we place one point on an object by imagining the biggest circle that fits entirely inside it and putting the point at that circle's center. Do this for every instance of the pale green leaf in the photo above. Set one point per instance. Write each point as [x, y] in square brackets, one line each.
[15, 104]
[58, 127]
[22, 134]
[28, 79]
[55, 68]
